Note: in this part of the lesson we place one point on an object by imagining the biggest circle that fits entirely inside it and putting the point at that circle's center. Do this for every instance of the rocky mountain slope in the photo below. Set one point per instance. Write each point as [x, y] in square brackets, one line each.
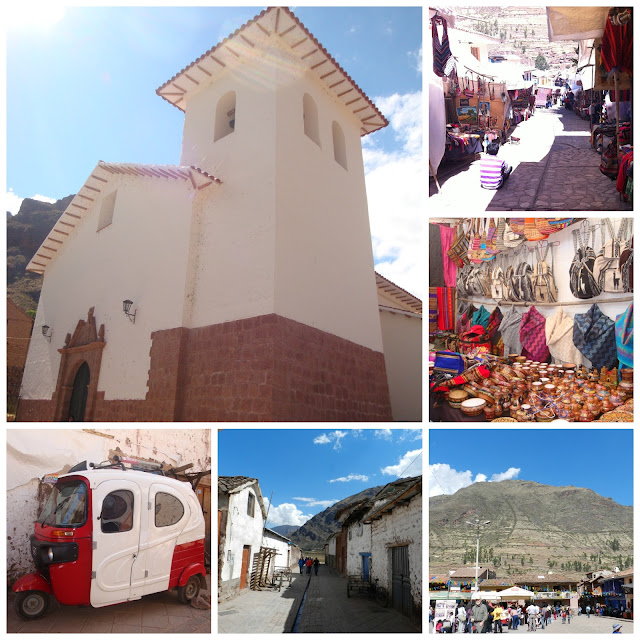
[285, 529]
[534, 527]
[25, 233]
[312, 535]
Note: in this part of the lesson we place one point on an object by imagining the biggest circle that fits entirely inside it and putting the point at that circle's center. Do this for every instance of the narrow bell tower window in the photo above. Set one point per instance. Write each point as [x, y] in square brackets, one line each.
[106, 210]
[339, 146]
[225, 116]
[310, 117]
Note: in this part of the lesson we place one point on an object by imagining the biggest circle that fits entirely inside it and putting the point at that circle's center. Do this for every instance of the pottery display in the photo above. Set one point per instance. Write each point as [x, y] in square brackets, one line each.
[457, 396]
[473, 406]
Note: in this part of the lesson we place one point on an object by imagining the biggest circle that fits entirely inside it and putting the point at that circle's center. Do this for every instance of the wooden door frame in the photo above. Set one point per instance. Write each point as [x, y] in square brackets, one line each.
[244, 572]
[85, 345]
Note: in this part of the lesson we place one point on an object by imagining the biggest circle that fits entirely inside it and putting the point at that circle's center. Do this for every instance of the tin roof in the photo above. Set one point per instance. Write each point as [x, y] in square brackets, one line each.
[281, 24]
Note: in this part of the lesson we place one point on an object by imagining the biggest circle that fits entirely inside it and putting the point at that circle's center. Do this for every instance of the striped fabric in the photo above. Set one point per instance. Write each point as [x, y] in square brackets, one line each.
[433, 310]
[532, 336]
[443, 61]
[594, 334]
[446, 314]
[491, 172]
[624, 337]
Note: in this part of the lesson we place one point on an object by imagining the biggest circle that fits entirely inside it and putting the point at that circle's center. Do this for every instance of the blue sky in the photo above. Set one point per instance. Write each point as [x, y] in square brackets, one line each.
[598, 459]
[81, 88]
[308, 470]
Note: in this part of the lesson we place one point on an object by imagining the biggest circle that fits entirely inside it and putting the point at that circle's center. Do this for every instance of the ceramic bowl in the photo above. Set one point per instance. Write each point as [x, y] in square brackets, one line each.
[473, 406]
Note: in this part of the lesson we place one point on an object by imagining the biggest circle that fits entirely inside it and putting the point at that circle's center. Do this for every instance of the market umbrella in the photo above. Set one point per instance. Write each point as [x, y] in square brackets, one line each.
[515, 592]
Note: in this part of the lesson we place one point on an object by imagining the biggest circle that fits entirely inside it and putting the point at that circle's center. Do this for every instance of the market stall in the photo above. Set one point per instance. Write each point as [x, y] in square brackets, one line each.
[515, 335]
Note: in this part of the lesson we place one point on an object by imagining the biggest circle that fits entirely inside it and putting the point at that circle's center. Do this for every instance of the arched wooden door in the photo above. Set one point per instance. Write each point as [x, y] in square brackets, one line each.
[78, 402]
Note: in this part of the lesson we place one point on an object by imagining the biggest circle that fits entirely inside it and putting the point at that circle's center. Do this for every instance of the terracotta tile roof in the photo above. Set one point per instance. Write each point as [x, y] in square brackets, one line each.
[404, 298]
[254, 35]
[91, 189]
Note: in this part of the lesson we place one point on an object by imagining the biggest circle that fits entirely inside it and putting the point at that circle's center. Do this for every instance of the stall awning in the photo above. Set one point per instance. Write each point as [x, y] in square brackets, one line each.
[576, 23]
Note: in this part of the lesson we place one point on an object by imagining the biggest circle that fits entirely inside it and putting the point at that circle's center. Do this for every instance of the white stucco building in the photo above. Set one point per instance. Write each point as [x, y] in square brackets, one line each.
[287, 552]
[241, 520]
[35, 453]
[330, 551]
[202, 290]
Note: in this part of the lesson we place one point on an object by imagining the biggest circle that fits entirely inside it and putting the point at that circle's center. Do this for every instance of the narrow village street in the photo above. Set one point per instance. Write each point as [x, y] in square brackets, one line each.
[554, 169]
[326, 609]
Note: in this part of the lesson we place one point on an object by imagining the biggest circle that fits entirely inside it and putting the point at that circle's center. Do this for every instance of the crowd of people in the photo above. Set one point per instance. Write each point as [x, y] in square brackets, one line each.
[482, 616]
[308, 563]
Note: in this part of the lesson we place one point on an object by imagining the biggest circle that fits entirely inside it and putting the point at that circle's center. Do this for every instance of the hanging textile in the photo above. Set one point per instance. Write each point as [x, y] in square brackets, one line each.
[594, 335]
[624, 337]
[447, 235]
[436, 267]
[446, 314]
[510, 330]
[617, 45]
[532, 336]
[481, 316]
[443, 61]
[464, 321]
[559, 333]
[433, 310]
[497, 343]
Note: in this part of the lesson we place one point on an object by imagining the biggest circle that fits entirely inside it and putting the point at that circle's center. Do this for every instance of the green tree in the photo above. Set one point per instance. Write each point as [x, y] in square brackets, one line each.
[530, 560]
[522, 561]
[541, 62]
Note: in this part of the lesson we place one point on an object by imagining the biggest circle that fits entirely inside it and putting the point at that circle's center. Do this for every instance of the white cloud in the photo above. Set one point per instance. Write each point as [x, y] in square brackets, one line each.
[314, 502]
[409, 465]
[415, 57]
[410, 434]
[443, 479]
[334, 436]
[13, 201]
[350, 477]
[383, 433]
[396, 194]
[285, 513]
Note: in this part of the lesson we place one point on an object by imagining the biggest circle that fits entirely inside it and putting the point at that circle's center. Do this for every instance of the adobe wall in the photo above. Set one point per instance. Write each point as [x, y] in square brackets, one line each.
[266, 368]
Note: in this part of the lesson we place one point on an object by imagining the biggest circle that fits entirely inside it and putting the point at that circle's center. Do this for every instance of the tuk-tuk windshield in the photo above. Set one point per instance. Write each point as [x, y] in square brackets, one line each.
[66, 506]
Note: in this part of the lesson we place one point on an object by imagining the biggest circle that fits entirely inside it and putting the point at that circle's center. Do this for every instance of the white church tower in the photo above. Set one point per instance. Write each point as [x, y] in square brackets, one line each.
[279, 313]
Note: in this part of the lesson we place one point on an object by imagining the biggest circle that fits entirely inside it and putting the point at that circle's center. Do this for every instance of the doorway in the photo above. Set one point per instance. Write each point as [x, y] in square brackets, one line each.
[78, 402]
[400, 580]
[246, 553]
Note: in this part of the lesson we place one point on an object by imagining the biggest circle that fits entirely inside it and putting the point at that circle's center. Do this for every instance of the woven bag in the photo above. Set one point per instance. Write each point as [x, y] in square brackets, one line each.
[491, 241]
[458, 250]
[500, 246]
[557, 224]
[531, 232]
[543, 226]
[517, 225]
[511, 238]
[473, 253]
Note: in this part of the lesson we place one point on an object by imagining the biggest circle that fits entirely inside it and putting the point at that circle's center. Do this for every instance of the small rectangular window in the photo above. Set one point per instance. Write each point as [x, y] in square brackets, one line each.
[106, 210]
[251, 505]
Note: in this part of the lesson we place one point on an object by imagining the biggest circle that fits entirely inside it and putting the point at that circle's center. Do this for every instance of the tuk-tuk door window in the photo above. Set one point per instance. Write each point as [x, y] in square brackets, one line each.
[117, 512]
[169, 510]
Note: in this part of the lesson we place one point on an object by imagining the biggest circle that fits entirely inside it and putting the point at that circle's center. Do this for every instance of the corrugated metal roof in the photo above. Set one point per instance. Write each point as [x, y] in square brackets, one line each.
[254, 36]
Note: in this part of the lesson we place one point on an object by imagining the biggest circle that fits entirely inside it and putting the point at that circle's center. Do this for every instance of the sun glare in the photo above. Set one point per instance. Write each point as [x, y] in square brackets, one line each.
[21, 15]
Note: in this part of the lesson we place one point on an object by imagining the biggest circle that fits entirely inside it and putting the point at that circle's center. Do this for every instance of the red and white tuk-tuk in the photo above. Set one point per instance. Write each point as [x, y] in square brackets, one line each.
[111, 533]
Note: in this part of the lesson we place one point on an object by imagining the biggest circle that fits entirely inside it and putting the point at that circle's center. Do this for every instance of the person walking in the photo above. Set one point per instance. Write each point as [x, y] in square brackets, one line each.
[497, 618]
[531, 617]
[588, 610]
[479, 613]
[515, 620]
[301, 563]
[309, 563]
[462, 618]
[568, 615]
[316, 564]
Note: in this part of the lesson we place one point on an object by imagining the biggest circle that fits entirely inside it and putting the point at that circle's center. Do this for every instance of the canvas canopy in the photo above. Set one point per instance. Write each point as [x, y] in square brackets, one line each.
[576, 23]
[515, 592]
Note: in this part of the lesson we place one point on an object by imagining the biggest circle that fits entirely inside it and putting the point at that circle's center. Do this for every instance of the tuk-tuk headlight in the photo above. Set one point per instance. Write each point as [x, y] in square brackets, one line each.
[50, 554]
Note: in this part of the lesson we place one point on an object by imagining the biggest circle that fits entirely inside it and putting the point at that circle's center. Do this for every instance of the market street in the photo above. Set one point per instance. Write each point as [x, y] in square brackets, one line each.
[554, 169]
[326, 609]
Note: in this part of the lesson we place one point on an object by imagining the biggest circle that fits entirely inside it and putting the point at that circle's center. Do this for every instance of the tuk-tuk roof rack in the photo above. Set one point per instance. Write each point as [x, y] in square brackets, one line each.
[120, 463]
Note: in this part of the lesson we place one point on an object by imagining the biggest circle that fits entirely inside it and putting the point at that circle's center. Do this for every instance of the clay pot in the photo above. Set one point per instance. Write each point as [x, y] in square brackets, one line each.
[490, 412]
[585, 416]
[546, 415]
[615, 399]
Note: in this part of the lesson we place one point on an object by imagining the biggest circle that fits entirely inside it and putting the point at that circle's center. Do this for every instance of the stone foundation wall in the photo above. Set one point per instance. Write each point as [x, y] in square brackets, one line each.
[266, 368]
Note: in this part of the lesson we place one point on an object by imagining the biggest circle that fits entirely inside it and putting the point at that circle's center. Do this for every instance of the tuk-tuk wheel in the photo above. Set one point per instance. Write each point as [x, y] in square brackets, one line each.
[190, 590]
[31, 605]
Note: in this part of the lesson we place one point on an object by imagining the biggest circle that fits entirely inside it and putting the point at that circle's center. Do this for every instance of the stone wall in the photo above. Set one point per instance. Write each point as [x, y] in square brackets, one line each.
[266, 368]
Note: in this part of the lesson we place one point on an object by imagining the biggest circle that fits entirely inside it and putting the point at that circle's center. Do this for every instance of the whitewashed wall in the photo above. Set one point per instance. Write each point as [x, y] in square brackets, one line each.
[402, 339]
[142, 256]
[33, 453]
[285, 206]
[241, 530]
[288, 554]
[403, 525]
[358, 540]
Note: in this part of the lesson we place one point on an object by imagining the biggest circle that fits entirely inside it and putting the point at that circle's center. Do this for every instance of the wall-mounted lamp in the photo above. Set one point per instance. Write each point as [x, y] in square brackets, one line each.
[126, 306]
[47, 332]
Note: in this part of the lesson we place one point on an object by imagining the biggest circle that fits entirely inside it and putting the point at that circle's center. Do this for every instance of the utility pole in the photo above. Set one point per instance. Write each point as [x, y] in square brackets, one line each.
[478, 525]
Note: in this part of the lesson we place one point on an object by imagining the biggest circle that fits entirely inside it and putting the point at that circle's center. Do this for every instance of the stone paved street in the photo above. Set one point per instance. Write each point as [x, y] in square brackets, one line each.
[326, 610]
[157, 613]
[554, 169]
